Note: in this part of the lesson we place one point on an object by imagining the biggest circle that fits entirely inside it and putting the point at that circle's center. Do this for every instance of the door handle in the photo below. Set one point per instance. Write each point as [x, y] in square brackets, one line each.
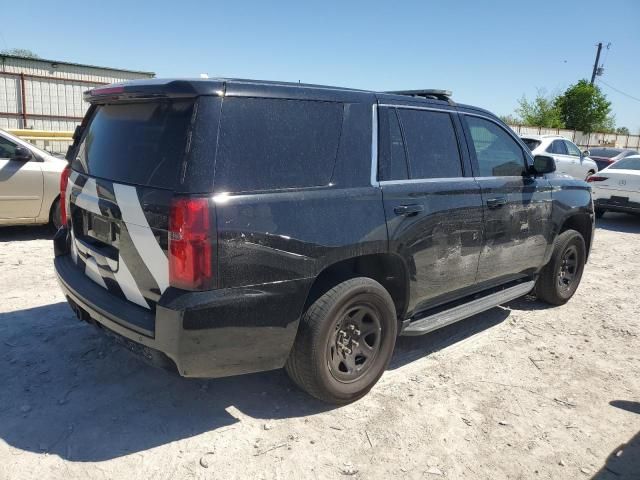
[496, 202]
[408, 209]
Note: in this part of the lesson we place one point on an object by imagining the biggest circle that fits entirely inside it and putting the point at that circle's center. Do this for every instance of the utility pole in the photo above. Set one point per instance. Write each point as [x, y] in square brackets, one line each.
[595, 65]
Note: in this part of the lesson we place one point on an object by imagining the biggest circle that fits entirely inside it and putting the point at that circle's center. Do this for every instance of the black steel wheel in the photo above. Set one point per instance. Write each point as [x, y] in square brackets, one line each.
[559, 279]
[344, 342]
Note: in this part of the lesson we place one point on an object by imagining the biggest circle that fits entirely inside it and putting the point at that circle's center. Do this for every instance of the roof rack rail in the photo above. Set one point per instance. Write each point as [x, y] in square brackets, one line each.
[426, 93]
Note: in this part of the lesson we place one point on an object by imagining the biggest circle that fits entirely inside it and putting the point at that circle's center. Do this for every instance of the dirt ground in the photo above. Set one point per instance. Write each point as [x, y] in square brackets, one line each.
[522, 391]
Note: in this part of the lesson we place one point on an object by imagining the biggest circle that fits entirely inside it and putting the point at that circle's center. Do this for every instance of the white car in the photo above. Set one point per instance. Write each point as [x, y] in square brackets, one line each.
[617, 187]
[568, 157]
[29, 183]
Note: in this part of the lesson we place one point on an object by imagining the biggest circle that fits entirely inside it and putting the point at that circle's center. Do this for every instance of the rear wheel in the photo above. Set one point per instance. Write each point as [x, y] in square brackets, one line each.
[54, 215]
[344, 342]
[560, 278]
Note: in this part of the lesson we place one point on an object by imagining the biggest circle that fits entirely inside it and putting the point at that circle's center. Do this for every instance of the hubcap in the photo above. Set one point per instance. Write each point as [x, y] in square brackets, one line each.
[354, 344]
[568, 268]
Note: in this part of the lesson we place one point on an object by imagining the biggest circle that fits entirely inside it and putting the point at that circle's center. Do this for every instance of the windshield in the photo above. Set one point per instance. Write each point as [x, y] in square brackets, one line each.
[138, 143]
[604, 152]
[531, 143]
[629, 163]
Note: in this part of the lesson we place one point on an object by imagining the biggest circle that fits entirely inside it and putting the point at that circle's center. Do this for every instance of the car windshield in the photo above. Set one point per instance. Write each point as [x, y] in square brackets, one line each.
[604, 152]
[629, 163]
[532, 143]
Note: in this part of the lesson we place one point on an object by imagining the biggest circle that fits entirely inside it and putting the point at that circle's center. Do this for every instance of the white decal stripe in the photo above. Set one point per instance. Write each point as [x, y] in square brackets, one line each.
[141, 234]
[88, 197]
[91, 271]
[127, 284]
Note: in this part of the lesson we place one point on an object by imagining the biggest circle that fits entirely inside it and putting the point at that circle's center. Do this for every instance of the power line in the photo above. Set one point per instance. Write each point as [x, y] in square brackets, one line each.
[619, 91]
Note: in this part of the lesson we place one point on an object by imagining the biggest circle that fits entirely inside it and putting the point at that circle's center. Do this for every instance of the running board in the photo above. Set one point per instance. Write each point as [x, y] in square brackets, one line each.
[446, 317]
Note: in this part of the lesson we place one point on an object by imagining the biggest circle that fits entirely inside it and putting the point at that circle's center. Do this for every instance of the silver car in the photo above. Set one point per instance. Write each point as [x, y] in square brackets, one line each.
[29, 183]
[568, 157]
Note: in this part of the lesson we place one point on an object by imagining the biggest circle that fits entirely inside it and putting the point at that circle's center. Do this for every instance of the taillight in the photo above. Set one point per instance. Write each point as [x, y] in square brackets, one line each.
[596, 178]
[190, 249]
[64, 181]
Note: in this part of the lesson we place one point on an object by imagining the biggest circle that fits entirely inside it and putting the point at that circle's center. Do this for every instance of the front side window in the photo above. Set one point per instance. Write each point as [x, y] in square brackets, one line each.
[431, 144]
[7, 148]
[572, 149]
[267, 144]
[498, 154]
[558, 147]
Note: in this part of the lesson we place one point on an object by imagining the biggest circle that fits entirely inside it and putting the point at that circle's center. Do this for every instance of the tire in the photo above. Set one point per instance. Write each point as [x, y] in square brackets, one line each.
[54, 215]
[599, 212]
[338, 364]
[560, 278]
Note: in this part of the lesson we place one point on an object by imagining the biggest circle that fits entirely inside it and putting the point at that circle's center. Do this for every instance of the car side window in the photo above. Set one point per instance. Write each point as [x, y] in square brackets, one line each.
[431, 142]
[572, 149]
[558, 147]
[498, 154]
[7, 148]
[393, 158]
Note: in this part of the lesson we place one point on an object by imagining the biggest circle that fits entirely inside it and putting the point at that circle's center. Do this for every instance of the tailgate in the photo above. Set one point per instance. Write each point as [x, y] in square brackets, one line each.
[119, 236]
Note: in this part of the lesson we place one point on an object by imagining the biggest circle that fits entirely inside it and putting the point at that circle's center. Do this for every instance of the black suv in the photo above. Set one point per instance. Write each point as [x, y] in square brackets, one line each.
[231, 226]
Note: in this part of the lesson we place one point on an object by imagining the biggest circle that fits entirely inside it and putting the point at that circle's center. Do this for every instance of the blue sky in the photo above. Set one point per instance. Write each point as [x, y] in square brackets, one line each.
[488, 53]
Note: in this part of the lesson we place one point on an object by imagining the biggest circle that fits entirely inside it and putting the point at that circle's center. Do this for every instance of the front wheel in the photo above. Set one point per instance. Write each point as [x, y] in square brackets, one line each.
[344, 342]
[559, 279]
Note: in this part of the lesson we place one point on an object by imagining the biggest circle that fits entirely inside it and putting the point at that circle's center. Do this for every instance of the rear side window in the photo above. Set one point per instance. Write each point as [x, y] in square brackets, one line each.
[498, 154]
[393, 165]
[267, 144]
[141, 143]
[431, 144]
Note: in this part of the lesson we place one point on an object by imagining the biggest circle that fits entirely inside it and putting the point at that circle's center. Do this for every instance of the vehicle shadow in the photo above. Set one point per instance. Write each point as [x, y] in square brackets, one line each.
[624, 461]
[409, 349]
[619, 222]
[71, 391]
[23, 233]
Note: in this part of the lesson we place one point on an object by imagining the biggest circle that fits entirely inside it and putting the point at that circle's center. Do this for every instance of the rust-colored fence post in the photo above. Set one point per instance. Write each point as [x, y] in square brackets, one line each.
[23, 96]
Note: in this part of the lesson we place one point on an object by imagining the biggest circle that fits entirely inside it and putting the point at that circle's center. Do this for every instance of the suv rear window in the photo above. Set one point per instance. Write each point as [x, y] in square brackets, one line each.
[267, 144]
[141, 143]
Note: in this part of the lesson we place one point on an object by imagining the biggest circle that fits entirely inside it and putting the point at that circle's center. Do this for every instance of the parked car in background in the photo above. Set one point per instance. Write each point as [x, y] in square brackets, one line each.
[605, 156]
[617, 187]
[568, 157]
[231, 226]
[29, 183]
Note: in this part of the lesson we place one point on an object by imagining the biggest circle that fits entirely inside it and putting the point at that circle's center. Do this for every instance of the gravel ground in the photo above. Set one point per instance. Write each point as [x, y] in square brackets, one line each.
[522, 391]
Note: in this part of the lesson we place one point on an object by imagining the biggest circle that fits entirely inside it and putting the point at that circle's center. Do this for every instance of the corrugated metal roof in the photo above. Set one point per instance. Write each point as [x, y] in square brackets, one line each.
[61, 62]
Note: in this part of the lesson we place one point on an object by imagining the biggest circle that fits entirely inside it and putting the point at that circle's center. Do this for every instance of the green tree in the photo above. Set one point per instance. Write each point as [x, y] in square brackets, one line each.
[622, 131]
[510, 119]
[584, 107]
[540, 112]
[20, 52]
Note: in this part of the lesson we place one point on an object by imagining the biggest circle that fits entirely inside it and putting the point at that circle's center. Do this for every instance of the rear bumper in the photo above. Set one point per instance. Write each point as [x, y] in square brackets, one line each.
[215, 333]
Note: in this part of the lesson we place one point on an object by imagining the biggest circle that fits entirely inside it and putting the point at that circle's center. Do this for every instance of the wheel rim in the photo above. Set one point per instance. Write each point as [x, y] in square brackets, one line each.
[568, 269]
[354, 343]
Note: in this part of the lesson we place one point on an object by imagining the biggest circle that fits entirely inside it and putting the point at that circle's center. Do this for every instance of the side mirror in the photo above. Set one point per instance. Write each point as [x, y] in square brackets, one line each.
[22, 154]
[586, 153]
[543, 164]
